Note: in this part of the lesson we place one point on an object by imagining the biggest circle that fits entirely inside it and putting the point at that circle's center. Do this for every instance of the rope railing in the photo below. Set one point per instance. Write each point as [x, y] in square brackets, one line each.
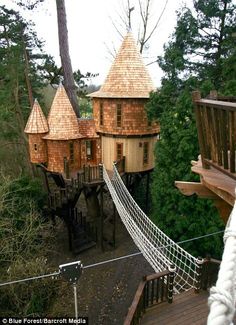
[223, 295]
[158, 249]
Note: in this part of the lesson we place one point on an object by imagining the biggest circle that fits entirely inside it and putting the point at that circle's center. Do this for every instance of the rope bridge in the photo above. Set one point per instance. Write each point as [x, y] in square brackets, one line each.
[159, 250]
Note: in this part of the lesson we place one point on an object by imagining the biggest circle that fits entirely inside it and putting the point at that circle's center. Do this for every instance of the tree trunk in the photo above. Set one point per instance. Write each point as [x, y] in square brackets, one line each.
[65, 57]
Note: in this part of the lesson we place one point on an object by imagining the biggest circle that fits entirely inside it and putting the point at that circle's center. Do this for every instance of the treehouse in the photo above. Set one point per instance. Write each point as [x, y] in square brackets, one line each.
[120, 128]
[119, 112]
[70, 150]
[216, 126]
[62, 141]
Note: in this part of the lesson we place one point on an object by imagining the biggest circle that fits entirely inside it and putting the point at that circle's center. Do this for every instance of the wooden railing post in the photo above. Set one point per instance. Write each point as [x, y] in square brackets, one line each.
[101, 171]
[66, 168]
[89, 174]
[200, 262]
[196, 96]
[172, 270]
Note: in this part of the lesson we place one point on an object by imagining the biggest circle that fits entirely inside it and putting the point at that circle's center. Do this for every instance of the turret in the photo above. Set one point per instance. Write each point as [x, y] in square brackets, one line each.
[63, 138]
[119, 111]
[37, 128]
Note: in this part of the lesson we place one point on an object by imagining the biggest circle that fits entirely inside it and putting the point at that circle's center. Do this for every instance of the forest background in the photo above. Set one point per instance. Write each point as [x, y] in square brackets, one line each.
[201, 54]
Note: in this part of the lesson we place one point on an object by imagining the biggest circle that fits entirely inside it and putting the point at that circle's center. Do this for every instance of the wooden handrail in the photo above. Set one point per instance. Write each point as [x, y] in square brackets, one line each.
[217, 104]
[150, 292]
[216, 122]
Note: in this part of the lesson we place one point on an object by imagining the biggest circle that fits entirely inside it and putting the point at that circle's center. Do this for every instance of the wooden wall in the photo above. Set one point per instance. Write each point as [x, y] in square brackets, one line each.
[132, 150]
[134, 118]
[57, 150]
[37, 149]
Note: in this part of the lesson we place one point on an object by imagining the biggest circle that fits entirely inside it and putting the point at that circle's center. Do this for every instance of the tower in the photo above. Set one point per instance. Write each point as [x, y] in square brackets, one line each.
[63, 138]
[119, 112]
[37, 128]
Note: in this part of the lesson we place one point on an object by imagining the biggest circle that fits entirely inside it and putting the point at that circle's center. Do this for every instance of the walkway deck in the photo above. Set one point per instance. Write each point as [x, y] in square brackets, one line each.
[187, 308]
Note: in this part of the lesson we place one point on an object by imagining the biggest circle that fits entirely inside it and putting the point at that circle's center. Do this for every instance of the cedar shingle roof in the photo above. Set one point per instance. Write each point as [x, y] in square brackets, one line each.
[87, 128]
[128, 77]
[37, 122]
[62, 120]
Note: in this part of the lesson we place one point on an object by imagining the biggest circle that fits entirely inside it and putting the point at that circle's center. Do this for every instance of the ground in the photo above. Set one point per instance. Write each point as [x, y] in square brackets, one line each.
[105, 292]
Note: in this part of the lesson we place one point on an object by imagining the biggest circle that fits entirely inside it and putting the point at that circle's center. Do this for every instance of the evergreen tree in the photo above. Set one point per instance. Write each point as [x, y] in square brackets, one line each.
[21, 80]
[198, 55]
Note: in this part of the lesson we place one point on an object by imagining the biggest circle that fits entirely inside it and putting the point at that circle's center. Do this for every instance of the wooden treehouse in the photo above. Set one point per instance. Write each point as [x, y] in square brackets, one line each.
[70, 149]
[216, 126]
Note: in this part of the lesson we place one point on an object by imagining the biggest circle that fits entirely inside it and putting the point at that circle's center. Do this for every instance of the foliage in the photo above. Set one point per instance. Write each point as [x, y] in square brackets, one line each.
[179, 216]
[23, 235]
[200, 52]
[85, 105]
[21, 55]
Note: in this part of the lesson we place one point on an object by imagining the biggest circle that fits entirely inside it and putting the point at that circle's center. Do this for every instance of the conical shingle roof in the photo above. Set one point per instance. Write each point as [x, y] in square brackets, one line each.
[62, 121]
[37, 122]
[128, 77]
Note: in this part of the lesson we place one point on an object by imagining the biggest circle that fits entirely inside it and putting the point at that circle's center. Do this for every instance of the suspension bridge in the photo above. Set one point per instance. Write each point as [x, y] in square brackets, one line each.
[162, 253]
[158, 249]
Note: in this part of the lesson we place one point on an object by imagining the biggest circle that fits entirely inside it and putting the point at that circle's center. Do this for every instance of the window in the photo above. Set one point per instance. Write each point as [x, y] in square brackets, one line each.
[101, 114]
[145, 153]
[35, 147]
[118, 115]
[119, 151]
[89, 149]
[71, 151]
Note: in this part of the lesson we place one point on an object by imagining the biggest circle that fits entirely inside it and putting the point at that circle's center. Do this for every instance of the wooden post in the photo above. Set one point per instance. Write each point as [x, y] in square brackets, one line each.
[100, 171]
[196, 96]
[232, 141]
[89, 174]
[213, 94]
[172, 270]
[66, 168]
[101, 218]
[198, 279]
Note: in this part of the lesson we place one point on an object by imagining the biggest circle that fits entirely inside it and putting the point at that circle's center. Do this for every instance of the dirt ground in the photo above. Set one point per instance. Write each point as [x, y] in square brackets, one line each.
[105, 292]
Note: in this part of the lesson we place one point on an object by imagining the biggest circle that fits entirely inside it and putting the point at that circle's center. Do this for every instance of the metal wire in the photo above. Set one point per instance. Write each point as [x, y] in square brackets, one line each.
[106, 261]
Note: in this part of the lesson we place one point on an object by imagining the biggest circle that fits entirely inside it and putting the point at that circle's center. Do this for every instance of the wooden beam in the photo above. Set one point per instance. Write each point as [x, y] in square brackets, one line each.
[190, 188]
[224, 209]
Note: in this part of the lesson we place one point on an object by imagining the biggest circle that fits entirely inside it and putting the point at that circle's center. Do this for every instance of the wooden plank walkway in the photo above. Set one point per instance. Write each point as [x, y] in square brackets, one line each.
[187, 308]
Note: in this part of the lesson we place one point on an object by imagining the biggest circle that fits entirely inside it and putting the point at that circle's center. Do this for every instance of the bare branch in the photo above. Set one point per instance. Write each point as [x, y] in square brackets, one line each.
[158, 21]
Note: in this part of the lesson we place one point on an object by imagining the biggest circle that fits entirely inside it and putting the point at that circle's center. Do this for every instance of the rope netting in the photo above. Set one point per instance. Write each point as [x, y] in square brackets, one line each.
[158, 249]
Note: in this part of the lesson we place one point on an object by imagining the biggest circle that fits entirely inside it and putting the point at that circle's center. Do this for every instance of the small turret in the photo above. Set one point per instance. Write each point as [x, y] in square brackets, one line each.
[63, 137]
[37, 128]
